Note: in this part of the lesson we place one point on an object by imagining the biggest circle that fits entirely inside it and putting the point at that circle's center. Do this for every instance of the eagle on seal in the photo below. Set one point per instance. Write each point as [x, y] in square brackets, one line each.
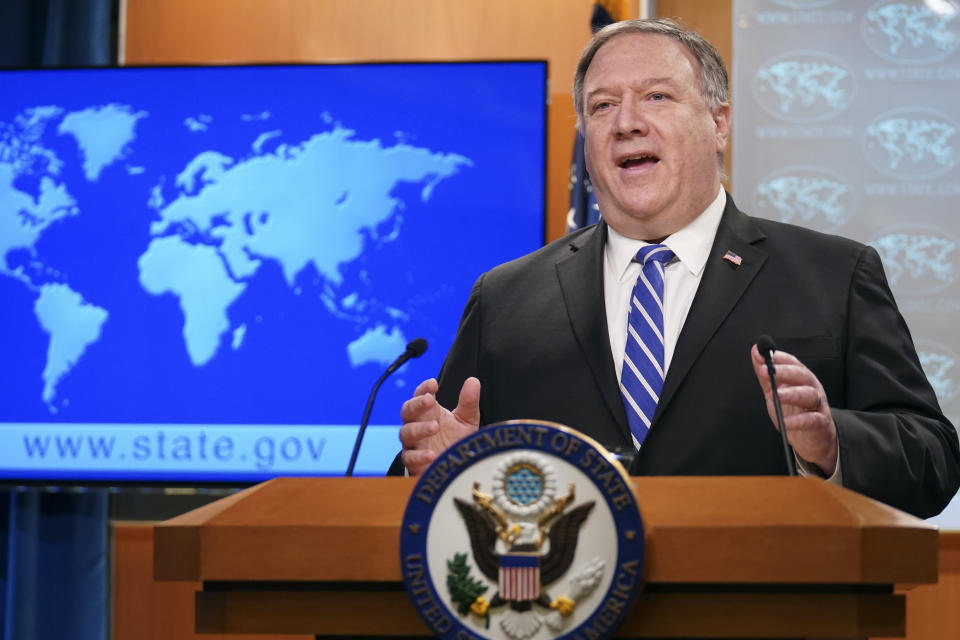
[523, 540]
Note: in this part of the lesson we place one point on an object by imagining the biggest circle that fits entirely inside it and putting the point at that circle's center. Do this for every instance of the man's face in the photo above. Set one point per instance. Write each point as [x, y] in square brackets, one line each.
[651, 142]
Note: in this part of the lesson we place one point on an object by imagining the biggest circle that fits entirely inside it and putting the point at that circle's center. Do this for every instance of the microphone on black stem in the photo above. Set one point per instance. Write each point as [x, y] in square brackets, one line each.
[766, 347]
[415, 349]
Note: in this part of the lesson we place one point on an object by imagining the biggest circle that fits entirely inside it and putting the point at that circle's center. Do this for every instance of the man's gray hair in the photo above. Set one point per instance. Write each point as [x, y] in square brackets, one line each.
[714, 85]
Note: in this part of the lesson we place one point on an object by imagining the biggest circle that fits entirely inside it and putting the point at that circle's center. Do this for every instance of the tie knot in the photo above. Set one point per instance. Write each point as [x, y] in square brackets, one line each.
[654, 253]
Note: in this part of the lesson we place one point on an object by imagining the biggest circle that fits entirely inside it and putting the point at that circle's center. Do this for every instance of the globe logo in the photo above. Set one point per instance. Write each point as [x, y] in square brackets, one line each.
[912, 142]
[804, 86]
[938, 362]
[807, 195]
[913, 32]
[918, 259]
[804, 4]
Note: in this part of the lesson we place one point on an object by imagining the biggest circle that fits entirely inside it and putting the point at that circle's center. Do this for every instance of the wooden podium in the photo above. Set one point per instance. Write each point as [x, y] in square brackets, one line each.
[725, 557]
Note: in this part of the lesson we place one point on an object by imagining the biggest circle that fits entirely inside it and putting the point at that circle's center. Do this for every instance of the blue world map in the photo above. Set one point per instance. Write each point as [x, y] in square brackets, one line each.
[176, 248]
[226, 218]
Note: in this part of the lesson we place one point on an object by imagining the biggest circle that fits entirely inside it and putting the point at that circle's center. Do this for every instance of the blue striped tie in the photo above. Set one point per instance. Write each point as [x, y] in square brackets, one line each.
[642, 377]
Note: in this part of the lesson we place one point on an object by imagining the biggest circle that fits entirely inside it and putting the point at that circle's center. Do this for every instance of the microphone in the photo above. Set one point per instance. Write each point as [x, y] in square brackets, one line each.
[415, 349]
[766, 347]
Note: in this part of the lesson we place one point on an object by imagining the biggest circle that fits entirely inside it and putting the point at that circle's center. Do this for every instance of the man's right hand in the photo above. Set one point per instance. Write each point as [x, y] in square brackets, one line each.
[429, 429]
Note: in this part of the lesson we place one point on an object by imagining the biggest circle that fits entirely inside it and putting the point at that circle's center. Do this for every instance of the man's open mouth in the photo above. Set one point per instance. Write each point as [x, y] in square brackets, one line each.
[638, 160]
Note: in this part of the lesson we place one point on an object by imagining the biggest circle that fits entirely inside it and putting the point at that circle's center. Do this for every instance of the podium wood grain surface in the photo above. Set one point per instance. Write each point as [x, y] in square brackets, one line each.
[725, 557]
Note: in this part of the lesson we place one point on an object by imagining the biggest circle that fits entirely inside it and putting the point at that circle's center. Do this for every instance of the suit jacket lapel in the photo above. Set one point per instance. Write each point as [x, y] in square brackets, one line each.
[722, 285]
[581, 282]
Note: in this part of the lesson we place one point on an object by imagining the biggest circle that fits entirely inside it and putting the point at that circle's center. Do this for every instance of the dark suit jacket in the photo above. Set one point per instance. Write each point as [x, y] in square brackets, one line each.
[534, 332]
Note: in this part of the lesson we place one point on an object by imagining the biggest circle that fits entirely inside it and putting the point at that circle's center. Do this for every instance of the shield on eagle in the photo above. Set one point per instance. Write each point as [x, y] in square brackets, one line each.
[519, 576]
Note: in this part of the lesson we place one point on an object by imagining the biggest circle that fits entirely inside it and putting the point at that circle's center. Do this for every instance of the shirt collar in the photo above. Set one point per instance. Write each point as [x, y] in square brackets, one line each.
[691, 244]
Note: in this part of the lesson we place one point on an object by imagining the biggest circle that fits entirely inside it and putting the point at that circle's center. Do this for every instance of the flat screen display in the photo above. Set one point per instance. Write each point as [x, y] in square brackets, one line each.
[204, 270]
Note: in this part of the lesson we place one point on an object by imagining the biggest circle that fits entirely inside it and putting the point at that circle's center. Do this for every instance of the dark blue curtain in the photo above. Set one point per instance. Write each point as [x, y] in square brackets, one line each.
[53, 544]
[55, 565]
[57, 32]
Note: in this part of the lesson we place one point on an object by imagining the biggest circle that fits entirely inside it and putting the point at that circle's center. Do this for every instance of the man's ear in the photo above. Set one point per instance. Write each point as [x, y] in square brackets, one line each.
[721, 120]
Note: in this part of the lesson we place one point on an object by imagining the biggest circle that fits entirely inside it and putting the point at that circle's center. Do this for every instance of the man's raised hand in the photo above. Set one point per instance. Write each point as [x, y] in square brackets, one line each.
[806, 412]
[429, 429]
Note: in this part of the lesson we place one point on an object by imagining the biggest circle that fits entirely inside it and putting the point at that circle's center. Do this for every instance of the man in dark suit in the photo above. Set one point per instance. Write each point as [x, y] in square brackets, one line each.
[547, 334]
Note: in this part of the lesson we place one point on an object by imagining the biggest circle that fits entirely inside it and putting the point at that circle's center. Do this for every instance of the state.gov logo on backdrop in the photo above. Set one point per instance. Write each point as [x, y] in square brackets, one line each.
[523, 530]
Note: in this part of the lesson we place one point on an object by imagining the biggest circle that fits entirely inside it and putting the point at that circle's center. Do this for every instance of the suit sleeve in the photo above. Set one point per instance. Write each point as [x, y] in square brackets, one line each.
[895, 444]
[463, 359]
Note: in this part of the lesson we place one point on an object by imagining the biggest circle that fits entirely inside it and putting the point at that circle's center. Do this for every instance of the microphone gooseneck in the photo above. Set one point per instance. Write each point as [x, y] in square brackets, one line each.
[415, 349]
[766, 347]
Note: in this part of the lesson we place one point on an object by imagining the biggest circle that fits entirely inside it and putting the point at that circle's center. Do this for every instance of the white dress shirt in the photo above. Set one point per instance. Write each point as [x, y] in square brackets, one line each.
[681, 277]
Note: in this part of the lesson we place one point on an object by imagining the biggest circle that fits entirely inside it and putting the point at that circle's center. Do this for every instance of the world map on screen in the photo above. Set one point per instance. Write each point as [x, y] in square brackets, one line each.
[205, 270]
[214, 234]
[305, 203]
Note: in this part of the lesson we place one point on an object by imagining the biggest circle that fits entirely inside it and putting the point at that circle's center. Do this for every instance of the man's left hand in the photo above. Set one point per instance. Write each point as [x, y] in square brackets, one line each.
[806, 412]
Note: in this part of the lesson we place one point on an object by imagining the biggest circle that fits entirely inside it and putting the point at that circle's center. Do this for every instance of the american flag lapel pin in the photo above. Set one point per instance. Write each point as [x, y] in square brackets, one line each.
[733, 258]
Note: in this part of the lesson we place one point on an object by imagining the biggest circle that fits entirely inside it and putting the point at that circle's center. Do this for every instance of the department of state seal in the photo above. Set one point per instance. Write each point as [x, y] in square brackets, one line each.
[523, 530]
